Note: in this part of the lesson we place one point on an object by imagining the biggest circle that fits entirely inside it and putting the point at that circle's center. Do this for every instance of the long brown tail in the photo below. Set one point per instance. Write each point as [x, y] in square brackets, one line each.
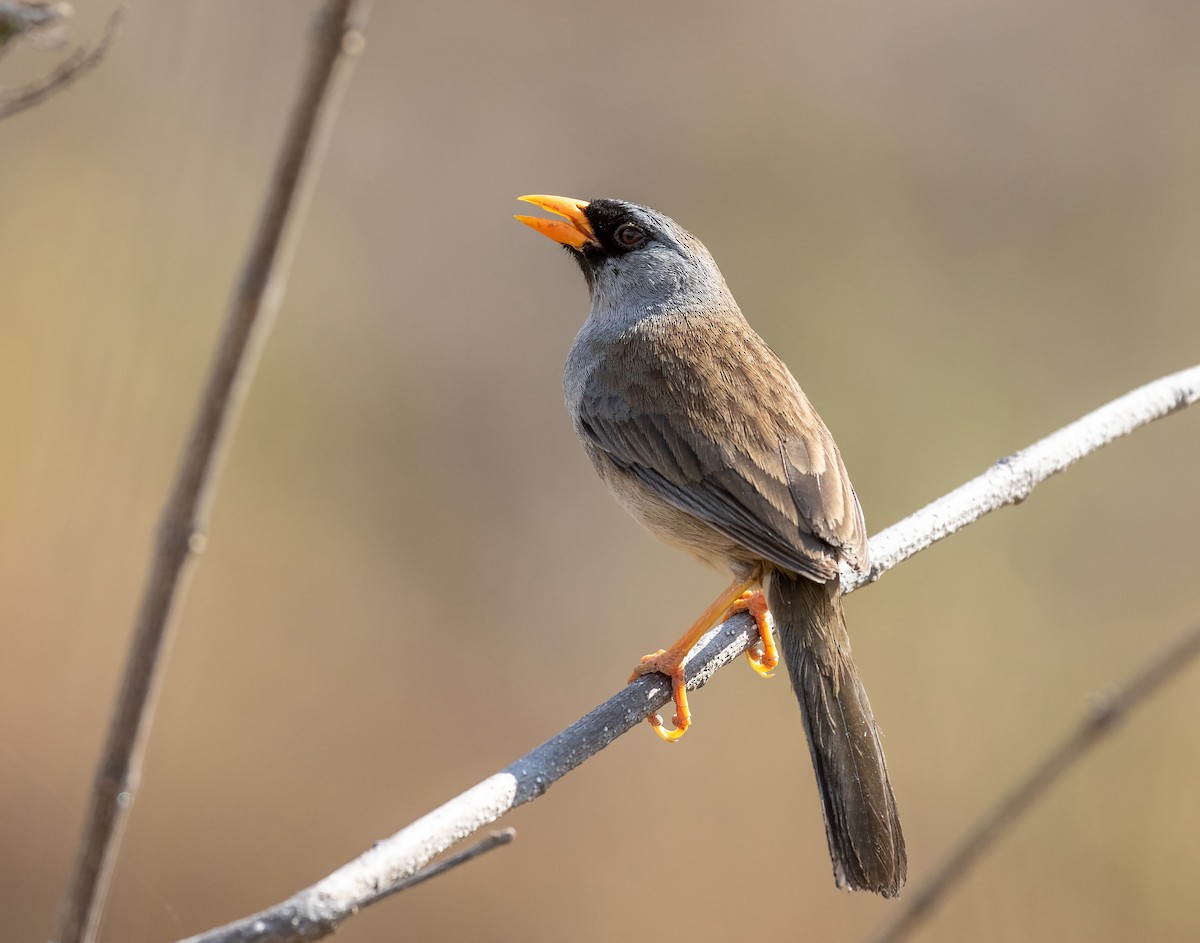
[861, 824]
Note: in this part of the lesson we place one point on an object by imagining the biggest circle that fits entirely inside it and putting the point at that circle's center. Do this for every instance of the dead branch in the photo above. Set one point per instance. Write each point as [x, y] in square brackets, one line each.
[181, 531]
[1106, 712]
[36, 17]
[319, 909]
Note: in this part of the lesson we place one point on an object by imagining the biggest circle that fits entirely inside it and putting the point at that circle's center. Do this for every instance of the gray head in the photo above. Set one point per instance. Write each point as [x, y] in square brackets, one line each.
[636, 261]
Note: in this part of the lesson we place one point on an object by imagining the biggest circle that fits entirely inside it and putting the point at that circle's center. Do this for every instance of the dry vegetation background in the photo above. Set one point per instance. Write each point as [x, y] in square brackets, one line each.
[962, 224]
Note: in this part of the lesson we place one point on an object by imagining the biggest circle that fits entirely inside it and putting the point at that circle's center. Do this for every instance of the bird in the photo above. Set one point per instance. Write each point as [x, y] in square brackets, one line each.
[703, 435]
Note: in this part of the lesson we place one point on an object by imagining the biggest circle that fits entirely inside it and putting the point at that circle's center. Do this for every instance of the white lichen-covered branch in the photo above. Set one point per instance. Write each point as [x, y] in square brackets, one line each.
[1011, 479]
[318, 910]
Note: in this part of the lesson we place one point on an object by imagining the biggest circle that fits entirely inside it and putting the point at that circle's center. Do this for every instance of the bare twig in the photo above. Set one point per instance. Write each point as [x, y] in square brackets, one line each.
[70, 70]
[1103, 717]
[482, 847]
[318, 910]
[181, 531]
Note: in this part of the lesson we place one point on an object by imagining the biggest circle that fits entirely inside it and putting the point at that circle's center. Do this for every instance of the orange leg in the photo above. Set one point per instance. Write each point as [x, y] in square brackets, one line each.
[670, 661]
[765, 656]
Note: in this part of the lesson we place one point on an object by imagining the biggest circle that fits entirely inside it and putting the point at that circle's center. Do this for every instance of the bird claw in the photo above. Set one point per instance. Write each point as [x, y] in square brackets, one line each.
[652, 663]
[669, 736]
[669, 663]
[757, 660]
[762, 655]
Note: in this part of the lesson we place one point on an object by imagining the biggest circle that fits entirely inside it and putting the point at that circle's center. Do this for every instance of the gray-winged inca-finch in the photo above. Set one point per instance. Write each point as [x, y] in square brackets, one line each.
[704, 436]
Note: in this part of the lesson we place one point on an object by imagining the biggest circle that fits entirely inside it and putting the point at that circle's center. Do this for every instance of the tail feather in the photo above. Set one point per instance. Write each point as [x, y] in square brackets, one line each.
[861, 823]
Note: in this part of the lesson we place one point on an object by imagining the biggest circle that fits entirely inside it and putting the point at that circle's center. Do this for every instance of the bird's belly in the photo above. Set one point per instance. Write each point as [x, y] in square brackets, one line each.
[676, 527]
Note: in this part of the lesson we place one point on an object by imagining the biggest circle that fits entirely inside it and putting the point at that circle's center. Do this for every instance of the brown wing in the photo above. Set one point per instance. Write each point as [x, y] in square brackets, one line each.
[711, 419]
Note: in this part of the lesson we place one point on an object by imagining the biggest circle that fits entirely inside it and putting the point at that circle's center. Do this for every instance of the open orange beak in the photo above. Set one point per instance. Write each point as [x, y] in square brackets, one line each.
[575, 231]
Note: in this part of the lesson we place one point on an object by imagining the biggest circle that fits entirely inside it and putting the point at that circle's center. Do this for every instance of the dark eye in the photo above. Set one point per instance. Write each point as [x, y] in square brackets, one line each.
[630, 235]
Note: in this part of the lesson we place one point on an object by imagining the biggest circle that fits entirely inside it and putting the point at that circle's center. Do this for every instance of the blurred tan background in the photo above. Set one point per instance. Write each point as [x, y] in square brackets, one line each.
[963, 225]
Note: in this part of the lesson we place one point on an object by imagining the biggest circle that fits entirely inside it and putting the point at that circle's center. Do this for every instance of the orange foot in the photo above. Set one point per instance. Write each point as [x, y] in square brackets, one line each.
[737, 597]
[670, 664]
[763, 656]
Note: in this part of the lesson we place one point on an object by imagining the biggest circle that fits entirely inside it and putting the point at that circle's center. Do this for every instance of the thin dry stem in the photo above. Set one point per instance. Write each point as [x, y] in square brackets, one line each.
[181, 531]
[488, 843]
[1101, 720]
[69, 71]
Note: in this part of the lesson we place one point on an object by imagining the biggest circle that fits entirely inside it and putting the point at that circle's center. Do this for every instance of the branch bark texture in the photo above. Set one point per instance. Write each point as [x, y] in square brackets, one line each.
[181, 531]
[318, 910]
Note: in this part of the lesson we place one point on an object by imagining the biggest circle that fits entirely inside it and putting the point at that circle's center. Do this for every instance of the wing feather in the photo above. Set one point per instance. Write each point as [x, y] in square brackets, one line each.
[668, 408]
